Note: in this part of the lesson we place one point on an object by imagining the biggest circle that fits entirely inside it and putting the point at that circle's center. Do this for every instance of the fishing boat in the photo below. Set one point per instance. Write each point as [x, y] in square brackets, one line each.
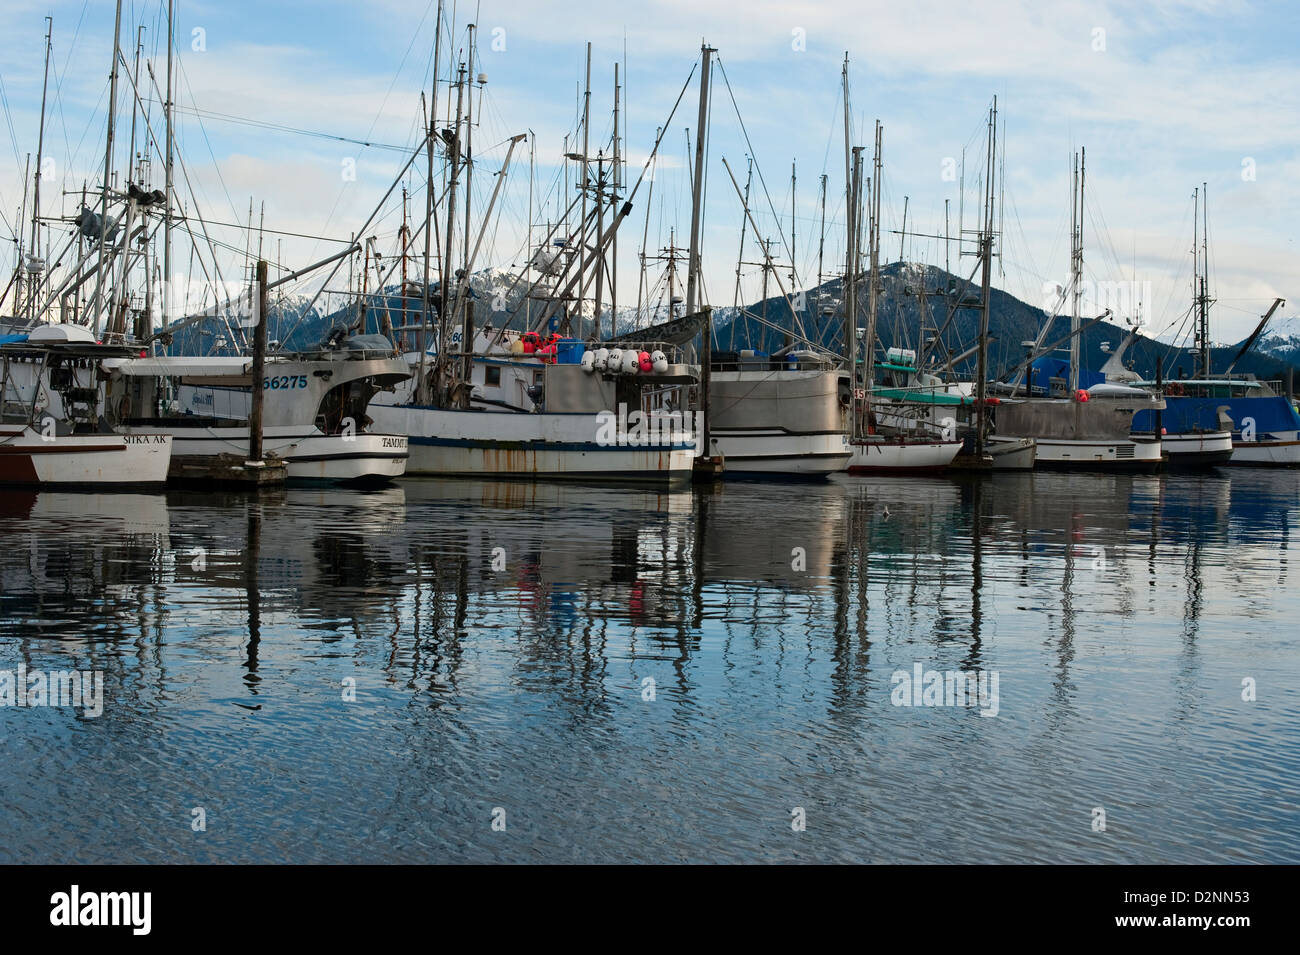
[602, 411]
[1259, 426]
[315, 405]
[51, 430]
[1012, 454]
[1223, 418]
[886, 431]
[1187, 442]
[778, 417]
[1092, 430]
[1077, 428]
[899, 455]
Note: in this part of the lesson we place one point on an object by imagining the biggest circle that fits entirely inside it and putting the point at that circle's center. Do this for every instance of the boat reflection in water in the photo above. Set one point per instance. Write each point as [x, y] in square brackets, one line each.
[641, 675]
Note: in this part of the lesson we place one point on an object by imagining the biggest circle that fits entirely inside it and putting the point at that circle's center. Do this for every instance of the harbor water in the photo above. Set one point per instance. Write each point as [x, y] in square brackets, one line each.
[452, 671]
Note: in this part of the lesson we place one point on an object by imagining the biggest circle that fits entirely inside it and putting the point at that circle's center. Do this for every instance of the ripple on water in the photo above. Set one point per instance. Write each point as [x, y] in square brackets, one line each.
[336, 676]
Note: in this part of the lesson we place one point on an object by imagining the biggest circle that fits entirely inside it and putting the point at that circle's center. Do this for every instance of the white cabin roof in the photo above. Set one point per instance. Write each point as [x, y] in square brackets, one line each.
[173, 366]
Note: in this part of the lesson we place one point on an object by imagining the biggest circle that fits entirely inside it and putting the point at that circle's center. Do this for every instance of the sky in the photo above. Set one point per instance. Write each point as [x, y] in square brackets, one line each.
[276, 102]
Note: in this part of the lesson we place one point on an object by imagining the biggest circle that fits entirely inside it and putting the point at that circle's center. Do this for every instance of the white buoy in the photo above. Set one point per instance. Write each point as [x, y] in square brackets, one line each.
[588, 362]
[615, 361]
[602, 358]
[659, 361]
[630, 362]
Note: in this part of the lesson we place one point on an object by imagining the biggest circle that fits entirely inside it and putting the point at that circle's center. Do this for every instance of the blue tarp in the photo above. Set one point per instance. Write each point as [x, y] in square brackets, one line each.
[1044, 369]
[1271, 414]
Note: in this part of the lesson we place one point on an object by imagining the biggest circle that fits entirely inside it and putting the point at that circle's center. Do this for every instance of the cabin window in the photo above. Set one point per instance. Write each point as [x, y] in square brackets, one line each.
[492, 375]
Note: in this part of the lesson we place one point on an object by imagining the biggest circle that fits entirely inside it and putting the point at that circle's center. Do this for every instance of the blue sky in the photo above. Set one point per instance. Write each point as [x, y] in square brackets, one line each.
[1163, 95]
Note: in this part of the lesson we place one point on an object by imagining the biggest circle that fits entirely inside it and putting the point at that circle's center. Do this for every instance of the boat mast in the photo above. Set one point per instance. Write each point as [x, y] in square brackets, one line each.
[613, 205]
[793, 207]
[167, 186]
[528, 247]
[108, 168]
[902, 235]
[693, 260]
[1076, 266]
[740, 256]
[598, 297]
[36, 184]
[947, 239]
[852, 191]
[851, 288]
[404, 239]
[469, 161]
[821, 242]
[421, 381]
[645, 237]
[1202, 280]
[986, 282]
[586, 181]
[135, 83]
[444, 326]
[873, 285]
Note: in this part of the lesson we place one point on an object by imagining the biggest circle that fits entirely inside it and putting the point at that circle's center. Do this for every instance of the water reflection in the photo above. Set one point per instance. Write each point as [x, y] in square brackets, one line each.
[684, 662]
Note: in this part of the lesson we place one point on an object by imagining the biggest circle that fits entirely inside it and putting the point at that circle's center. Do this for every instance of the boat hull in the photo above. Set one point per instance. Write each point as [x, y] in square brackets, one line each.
[901, 457]
[1196, 450]
[1013, 454]
[492, 444]
[309, 456]
[1265, 454]
[1265, 427]
[1099, 455]
[758, 453]
[83, 460]
[357, 458]
[778, 423]
[1096, 434]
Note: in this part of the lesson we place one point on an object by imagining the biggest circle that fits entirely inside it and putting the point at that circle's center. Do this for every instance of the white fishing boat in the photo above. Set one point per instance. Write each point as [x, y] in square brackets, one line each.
[778, 417]
[31, 456]
[615, 411]
[1092, 430]
[314, 408]
[1188, 443]
[1188, 449]
[1222, 418]
[915, 422]
[1242, 421]
[1012, 454]
[51, 433]
[1077, 428]
[898, 454]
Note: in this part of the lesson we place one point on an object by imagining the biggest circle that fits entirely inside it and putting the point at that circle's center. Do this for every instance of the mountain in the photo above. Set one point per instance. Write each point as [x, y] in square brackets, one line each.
[1011, 321]
[499, 296]
[1281, 340]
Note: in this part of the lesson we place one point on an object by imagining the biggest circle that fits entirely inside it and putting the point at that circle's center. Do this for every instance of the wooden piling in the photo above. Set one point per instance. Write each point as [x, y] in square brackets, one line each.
[259, 364]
